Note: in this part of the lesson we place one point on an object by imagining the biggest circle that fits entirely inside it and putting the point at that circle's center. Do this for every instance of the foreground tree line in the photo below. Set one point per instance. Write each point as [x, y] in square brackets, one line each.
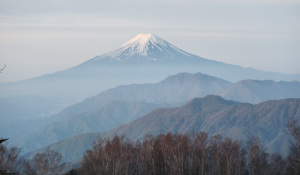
[182, 154]
[46, 163]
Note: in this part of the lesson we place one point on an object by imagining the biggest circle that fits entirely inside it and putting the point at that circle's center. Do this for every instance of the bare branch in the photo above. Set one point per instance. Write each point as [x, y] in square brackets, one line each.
[2, 140]
[2, 68]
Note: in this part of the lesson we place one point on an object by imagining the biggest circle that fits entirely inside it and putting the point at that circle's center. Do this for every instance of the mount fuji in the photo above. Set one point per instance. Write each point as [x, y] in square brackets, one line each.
[144, 47]
[146, 58]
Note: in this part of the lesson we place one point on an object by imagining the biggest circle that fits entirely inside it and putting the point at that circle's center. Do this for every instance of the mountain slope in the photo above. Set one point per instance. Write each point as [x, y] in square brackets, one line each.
[144, 47]
[266, 120]
[120, 105]
[256, 91]
[179, 88]
[110, 115]
[146, 58]
[211, 114]
[208, 104]
[180, 119]
[174, 89]
[19, 112]
[26, 107]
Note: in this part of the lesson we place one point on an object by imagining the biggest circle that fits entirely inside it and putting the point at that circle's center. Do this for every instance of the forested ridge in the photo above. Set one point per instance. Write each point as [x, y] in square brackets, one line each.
[182, 154]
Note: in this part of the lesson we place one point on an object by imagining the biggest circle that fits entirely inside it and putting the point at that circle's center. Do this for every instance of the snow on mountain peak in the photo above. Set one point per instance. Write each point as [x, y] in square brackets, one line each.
[141, 39]
[146, 45]
[141, 44]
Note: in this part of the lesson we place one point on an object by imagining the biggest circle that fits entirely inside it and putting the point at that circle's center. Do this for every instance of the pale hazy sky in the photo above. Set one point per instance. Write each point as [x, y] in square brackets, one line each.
[41, 36]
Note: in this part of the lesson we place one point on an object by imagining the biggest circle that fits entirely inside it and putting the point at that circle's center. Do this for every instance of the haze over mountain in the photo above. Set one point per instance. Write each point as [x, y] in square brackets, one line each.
[211, 114]
[256, 91]
[146, 58]
[214, 115]
[27, 107]
[122, 104]
[108, 116]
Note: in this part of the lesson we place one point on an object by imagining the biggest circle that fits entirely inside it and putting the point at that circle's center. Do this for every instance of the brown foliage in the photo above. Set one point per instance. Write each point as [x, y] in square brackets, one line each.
[9, 160]
[179, 154]
[293, 128]
[46, 163]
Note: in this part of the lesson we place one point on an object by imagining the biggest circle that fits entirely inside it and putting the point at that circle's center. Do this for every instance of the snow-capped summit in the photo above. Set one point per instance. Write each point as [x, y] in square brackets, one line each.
[144, 47]
[141, 40]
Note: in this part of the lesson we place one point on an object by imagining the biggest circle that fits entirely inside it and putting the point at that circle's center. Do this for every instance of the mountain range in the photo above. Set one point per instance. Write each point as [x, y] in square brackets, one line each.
[256, 91]
[96, 113]
[211, 114]
[214, 115]
[123, 104]
[146, 58]
[110, 115]
[70, 108]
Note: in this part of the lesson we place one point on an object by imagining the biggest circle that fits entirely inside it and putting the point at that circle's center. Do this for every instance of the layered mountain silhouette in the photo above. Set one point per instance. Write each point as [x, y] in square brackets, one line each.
[120, 105]
[146, 58]
[110, 115]
[214, 115]
[125, 103]
[256, 91]
[211, 114]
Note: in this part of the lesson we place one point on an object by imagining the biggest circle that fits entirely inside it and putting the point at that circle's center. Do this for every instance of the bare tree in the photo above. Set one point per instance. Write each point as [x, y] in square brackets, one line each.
[199, 144]
[293, 128]
[230, 150]
[2, 68]
[111, 156]
[10, 161]
[145, 152]
[181, 154]
[215, 147]
[46, 163]
[93, 160]
[277, 165]
[158, 158]
[257, 157]
[3, 140]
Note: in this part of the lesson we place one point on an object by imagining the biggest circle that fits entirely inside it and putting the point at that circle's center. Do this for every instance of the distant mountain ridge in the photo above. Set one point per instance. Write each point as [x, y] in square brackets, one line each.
[94, 112]
[256, 91]
[146, 58]
[215, 115]
[184, 85]
[89, 115]
[102, 118]
[211, 114]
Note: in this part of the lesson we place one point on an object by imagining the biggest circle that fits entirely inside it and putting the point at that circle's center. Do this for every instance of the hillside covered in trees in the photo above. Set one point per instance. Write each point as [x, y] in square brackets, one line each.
[183, 154]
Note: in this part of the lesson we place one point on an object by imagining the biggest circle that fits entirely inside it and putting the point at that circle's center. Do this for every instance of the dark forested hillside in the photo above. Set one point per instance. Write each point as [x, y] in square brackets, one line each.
[215, 115]
[210, 114]
[124, 104]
